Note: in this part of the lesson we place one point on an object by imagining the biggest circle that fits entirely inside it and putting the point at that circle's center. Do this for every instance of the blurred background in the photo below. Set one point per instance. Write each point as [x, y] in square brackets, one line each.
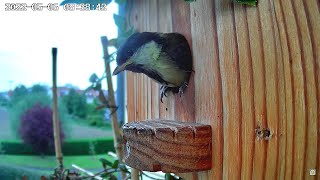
[26, 138]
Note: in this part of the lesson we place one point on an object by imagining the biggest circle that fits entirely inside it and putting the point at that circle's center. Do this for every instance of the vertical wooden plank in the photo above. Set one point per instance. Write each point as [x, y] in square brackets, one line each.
[310, 148]
[313, 144]
[155, 94]
[282, 119]
[299, 118]
[282, 124]
[184, 106]
[130, 96]
[259, 95]
[280, 134]
[229, 66]
[271, 87]
[286, 171]
[246, 81]
[165, 25]
[148, 13]
[131, 79]
[141, 91]
[140, 77]
[208, 90]
[274, 85]
[144, 79]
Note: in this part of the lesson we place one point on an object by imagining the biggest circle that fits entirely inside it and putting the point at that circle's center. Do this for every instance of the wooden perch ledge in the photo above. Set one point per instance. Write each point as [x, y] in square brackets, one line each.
[168, 146]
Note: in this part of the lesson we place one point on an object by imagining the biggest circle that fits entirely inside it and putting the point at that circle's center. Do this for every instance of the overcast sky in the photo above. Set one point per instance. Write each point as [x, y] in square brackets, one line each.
[26, 39]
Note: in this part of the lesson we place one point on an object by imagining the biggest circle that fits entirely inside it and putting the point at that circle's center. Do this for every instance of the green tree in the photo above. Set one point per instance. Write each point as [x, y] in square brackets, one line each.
[3, 100]
[37, 88]
[18, 93]
[76, 103]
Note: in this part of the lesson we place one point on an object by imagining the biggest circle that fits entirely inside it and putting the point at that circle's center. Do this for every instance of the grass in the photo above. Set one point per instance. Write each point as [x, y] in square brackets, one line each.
[86, 122]
[12, 172]
[15, 166]
[84, 161]
[33, 167]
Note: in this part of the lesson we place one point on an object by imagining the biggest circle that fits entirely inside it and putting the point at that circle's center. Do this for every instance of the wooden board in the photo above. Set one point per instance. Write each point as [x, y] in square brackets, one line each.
[168, 146]
[255, 68]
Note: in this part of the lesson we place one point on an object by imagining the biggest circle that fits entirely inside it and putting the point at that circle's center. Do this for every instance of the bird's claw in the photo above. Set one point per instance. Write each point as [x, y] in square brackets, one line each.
[182, 88]
[164, 90]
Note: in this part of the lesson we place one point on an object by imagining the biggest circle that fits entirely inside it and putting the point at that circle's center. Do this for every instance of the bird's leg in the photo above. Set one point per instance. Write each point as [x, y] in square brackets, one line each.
[182, 88]
[163, 92]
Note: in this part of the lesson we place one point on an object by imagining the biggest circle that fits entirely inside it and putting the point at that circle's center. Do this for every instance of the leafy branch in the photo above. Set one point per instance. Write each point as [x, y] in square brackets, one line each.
[248, 2]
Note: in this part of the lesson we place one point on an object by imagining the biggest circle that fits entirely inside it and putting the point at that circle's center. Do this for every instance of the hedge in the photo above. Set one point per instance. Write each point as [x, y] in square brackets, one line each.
[69, 147]
[16, 172]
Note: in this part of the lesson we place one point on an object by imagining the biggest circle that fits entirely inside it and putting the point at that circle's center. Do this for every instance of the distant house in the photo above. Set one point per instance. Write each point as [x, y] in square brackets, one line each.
[62, 91]
[90, 94]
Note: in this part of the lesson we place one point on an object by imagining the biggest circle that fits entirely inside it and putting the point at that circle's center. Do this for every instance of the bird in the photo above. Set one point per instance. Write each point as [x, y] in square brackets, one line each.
[164, 57]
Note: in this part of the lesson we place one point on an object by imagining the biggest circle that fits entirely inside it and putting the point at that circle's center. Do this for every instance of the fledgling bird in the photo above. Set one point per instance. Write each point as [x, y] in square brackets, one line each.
[164, 57]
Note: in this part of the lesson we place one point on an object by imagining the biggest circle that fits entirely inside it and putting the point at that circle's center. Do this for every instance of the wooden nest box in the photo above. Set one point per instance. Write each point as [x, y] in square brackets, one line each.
[168, 146]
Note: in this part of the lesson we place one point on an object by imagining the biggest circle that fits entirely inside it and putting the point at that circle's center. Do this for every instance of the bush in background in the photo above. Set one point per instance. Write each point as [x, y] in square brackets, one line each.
[69, 147]
[36, 128]
[75, 103]
[25, 103]
[96, 117]
[18, 108]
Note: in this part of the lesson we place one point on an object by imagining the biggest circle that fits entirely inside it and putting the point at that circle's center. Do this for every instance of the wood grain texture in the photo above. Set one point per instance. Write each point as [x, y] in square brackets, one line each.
[207, 79]
[229, 65]
[168, 146]
[245, 68]
[167, 108]
[184, 107]
[255, 68]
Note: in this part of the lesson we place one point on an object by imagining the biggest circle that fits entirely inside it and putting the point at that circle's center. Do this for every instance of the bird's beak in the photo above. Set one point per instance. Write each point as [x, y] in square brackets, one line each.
[121, 67]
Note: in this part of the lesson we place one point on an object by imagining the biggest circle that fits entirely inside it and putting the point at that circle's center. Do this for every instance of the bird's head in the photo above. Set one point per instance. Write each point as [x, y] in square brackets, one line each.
[136, 52]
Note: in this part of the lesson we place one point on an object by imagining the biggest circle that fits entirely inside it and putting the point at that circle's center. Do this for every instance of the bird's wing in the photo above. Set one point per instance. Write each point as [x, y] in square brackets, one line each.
[177, 48]
[149, 72]
[156, 76]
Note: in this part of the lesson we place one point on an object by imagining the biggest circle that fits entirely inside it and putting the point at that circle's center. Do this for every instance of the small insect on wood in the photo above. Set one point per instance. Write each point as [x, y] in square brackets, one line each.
[168, 146]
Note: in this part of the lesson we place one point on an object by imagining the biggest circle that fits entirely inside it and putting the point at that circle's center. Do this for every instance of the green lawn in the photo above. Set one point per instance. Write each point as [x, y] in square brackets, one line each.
[33, 167]
[15, 166]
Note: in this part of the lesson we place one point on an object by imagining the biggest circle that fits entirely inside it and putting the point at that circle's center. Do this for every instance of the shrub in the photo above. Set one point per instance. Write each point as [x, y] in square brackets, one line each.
[96, 117]
[28, 101]
[36, 128]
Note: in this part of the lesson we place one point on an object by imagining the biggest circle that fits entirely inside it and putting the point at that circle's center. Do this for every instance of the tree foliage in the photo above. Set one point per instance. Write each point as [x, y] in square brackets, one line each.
[75, 103]
[37, 88]
[18, 93]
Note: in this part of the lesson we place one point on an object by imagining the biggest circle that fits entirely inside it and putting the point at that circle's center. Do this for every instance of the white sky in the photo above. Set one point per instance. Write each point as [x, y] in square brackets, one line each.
[26, 39]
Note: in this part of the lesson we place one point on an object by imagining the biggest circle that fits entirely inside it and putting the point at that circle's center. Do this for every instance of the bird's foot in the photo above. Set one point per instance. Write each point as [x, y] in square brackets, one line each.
[182, 88]
[163, 92]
